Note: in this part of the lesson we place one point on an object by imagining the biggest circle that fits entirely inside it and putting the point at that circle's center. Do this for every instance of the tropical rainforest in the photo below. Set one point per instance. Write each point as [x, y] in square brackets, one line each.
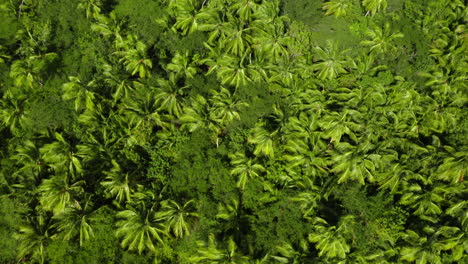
[233, 131]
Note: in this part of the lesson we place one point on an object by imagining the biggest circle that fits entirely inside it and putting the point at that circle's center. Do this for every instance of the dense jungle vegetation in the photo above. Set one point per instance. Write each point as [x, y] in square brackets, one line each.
[233, 131]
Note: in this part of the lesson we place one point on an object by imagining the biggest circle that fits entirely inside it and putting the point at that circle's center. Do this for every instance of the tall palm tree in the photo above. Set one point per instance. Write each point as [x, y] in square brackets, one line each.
[336, 124]
[286, 253]
[212, 22]
[117, 184]
[26, 73]
[182, 66]
[300, 156]
[74, 221]
[63, 157]
[305, 129]
[169, 95]
[237, 40]
[365, 65]
[176, 217]
[245, 9]
[13, 114]
[308, 201]
[33, 238]
[271, 42]
[3, 54]
[211, 252]
[330, 61]
[426, 202]
[232, 71]
[92, 7]
[143, 108]
[31, 164]
[426, 248]
[396, 177]
[199, 115]
[245, 168]
[263, 140]
[134, 56]
[56, 193]
[381, 39]
[374, 6]
[336, 7]
[459, 210]
[139, 228]
[328, 240]
[353, 164]
[122, 87]
[225, 108]
[186, 14]
[80, 93]
[453, 169]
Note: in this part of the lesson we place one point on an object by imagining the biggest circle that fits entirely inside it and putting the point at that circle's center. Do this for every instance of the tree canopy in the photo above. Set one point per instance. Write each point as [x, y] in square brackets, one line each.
[233, 131]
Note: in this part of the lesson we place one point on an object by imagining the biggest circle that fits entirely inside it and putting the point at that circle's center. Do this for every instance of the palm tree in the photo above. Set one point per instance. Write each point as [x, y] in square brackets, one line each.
[427, 249]
[304, 130]
[373, 6]
[336, 124]
[212, 253]
[381, 39]
[169, 95]
[80, 93]
[181, 66]
[33, 238]
[31, 164]
[56, 193]
[237, 40]
[364, 65]
[328, 240]
[74, 221]
[336, 7]
[425, 202]
[245, 168]
[117, 183]
[13, 114]
[123, 87]
[186, 14]
[63, 157]
[211, 21]
[232, 71]
[134, 57]
[268, 13]
[139, 228]
[143, 108]
[308, 201]
[329, 61]
[225, 108]
[272, 43]
[300, 156]
[175, 216]
[351, 163]
[25, 73]
[245, 9]
[3, 54]
[92, 7]
[286, 253]
[459, 210]
[396, 177]
[453, 169]
[199, 115]
[263, 141]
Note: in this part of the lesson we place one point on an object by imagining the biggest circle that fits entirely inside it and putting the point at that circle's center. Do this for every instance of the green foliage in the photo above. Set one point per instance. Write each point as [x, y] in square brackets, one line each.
[240, 131]
[8, 221]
